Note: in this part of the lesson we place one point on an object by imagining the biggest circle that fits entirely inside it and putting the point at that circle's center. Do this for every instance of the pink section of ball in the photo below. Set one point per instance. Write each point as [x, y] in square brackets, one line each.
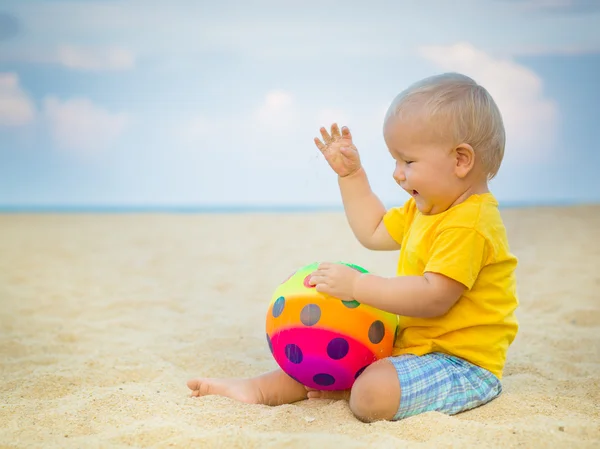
[308, 346]
[321, 366]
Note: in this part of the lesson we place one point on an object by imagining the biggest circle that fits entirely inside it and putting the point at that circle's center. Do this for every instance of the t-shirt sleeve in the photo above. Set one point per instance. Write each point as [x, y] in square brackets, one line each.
[458, 253]
[395, 221]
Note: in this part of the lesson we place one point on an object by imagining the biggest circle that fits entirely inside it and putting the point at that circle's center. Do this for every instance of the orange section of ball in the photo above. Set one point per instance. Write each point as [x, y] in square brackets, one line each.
[326, 312]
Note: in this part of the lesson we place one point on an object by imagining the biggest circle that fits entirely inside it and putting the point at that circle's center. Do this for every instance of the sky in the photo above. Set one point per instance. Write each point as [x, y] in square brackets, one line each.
[192, 103]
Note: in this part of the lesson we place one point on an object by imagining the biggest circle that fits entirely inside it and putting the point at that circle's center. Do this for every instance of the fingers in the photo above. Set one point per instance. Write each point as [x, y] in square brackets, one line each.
[320, 145]
[346, 133]
[329, 138]
[316, 279]
[323, 288]
[335, 131]
[326, 137]
[321, 271]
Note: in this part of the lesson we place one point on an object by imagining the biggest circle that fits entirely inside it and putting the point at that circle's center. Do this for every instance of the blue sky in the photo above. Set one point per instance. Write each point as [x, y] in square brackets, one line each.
[200, 103]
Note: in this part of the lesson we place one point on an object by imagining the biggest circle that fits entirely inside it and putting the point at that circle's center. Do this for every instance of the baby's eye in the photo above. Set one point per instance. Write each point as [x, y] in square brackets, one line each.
[409, 162]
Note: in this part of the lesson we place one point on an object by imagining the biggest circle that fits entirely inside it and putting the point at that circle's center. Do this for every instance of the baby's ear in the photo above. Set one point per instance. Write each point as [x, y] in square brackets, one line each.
[465, 159]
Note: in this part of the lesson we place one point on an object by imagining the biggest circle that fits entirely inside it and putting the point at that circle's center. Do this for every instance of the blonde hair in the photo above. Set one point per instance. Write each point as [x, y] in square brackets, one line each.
[466, 112]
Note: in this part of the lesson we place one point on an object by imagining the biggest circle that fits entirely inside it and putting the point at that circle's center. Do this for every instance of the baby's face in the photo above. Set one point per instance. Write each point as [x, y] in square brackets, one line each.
[425, 165]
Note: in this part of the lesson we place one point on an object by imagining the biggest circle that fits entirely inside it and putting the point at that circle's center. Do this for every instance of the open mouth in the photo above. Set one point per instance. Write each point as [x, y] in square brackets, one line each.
[414, 192]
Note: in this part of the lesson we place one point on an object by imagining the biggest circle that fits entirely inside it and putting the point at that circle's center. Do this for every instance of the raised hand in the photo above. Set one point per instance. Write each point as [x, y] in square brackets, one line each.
[339, 151]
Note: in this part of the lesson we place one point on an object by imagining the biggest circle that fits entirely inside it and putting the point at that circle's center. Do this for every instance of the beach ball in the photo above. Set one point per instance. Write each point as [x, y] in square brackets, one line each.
[321, 341]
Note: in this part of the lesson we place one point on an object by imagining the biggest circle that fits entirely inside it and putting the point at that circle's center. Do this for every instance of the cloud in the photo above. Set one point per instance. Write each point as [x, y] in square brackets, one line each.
[195, 129]
[75, 124]
[16, 108]
[276, 134]
[530, 118]
[79, 125]
[82, 58]
[280, 112]
[276, 115]
[276, 112]
[288, 33]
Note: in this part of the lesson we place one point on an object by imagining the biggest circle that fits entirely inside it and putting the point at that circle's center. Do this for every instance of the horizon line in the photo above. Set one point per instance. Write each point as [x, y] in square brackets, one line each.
[238, 208]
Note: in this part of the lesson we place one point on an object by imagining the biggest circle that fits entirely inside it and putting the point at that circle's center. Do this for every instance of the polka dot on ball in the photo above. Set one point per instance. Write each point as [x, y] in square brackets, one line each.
[293, 353]
[307, 283]
[310, 314]
[278, 306]
[338, 348]
[376, 332]
[324, 379]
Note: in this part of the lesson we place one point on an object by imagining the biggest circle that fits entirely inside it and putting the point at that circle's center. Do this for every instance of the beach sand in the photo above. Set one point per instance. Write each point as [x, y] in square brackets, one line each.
[105, 317]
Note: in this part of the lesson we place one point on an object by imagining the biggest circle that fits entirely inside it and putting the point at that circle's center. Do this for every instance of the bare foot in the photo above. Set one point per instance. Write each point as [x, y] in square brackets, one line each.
[320, 394]
[272, 388]
[244, 390]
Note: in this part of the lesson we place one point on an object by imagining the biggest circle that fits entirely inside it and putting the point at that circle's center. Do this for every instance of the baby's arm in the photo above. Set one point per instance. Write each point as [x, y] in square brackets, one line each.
[363, 209]
[454, 261]
[365, 212]
[424, 296]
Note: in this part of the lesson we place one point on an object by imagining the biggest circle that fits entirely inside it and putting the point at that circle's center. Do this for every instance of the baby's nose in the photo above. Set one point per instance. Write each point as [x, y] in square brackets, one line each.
[399, 176]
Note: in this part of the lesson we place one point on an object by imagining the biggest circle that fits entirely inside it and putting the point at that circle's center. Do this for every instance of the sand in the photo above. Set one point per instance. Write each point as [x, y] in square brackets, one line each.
[105, 317]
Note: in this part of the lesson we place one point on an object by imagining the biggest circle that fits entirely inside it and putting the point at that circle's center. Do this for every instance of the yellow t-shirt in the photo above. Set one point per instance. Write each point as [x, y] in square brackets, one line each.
[467, 243]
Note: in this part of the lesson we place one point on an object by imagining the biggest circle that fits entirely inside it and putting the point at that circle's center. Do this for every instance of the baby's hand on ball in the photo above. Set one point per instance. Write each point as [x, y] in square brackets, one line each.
[339, 150]
[335, 279]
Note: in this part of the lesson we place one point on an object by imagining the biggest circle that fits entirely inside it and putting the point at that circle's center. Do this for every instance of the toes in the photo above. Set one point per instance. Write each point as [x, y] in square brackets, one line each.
[314, 394]
[193, 384]
[334, 395]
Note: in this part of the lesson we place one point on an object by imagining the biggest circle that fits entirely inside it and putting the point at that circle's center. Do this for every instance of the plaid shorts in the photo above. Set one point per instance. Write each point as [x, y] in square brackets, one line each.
[443, 383]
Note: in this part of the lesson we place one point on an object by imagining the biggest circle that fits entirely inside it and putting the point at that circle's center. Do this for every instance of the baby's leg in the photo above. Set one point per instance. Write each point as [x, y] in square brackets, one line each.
[398, 387]
[432, 382]
[272, 388]
[374, 396]
[376, 393]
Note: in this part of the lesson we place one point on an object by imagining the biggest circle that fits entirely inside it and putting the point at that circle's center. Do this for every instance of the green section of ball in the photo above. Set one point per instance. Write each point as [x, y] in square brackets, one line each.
[353, 304]
[356, 267]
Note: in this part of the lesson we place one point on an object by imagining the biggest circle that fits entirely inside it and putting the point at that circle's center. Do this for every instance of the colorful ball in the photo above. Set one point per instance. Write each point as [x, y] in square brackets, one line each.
[321, 341]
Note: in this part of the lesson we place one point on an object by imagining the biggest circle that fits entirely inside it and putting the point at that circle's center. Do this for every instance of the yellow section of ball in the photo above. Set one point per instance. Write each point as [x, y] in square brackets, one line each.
[295, 303]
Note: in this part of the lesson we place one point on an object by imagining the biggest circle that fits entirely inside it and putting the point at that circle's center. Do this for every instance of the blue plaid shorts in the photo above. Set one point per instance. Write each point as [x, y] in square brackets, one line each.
[443, 383]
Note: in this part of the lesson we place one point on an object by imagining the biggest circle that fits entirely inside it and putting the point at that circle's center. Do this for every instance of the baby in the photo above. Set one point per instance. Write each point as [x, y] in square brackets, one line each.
[455, 288]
